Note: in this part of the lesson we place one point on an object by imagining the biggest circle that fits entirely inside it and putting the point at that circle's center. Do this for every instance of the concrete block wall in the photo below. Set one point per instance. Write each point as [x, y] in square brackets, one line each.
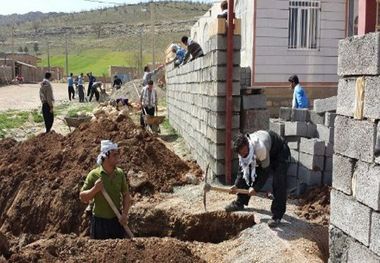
[310, 137]
[196, 103]
[355, 197]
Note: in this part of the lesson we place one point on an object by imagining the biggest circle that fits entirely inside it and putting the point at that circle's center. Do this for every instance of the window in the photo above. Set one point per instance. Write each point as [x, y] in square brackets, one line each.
[303, 24]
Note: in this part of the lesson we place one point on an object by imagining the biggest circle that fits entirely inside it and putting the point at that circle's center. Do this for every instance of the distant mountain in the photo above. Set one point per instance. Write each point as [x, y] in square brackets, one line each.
[28, 17]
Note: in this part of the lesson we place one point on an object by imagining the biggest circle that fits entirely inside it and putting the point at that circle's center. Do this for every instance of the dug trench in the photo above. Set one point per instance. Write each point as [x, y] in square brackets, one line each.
[42, 218]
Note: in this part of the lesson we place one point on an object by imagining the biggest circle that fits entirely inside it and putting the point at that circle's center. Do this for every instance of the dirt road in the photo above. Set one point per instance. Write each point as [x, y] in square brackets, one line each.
[26, 96]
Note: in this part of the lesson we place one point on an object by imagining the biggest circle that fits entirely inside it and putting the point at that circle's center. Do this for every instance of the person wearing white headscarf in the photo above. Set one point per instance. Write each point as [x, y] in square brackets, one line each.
[107, 176]
[259, 153]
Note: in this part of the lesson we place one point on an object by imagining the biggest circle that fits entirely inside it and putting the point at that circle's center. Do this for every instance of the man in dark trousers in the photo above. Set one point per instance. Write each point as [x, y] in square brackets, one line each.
[259, 153]
[91, 80]
[70, 83]
[117, 82]
[193, 49]
[47, 99]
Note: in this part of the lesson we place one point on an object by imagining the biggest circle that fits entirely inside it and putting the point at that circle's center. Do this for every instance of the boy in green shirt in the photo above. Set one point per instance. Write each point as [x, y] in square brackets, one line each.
[104, 223]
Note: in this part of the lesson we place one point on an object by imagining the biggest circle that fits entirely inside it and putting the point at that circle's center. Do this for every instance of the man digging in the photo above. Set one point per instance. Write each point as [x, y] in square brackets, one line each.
[104, 221]
[259, 153]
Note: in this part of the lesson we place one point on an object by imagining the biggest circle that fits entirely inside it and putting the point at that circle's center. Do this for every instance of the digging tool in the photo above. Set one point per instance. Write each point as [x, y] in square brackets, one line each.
[116, 211]
[208, 187]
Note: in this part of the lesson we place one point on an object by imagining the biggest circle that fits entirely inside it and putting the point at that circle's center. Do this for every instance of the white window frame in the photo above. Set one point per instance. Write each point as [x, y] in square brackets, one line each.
[296, 38]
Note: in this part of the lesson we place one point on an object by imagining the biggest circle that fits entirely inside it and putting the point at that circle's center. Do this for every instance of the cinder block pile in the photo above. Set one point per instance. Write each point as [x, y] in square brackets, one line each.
[196, 98]
[355, 197]
[310, 137]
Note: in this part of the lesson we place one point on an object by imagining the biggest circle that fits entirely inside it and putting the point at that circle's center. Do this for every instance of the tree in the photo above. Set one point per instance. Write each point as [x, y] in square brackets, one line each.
[20, 49]
[98, 28]
[26, 50]
[36, 25]
[35, 47]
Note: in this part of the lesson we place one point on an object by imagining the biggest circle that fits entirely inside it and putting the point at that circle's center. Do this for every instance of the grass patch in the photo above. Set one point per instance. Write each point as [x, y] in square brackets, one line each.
[167, 127]
[12, 119]
[87, 108]
[37, 116]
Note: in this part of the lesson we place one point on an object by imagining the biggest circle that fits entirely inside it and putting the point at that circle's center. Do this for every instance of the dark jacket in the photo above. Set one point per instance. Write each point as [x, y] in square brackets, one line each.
[195, 50]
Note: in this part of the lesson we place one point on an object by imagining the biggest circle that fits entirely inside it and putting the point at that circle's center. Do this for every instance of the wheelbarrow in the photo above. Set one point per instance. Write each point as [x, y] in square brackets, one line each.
[75, 121]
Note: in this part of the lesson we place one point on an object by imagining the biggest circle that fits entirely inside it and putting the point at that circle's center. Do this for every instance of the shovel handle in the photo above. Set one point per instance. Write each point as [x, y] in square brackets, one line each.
[227, 190]
[116, 211]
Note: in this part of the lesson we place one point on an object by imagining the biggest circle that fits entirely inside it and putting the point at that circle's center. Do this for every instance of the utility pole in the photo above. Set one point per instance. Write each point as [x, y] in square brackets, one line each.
[153, 34]
[13, 50]
[67, 56]
[48, 55]
[141, 51]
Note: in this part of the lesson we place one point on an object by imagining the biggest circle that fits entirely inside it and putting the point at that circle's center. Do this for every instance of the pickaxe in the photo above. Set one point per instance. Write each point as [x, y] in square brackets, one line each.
[208, 187]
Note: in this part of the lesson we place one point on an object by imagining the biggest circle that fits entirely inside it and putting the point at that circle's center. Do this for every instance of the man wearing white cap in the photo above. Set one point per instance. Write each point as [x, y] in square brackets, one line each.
[259, 153]
[104, 223]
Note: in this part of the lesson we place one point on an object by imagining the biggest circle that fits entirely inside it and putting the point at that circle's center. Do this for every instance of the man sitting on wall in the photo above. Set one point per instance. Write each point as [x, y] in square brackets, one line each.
[193, 49]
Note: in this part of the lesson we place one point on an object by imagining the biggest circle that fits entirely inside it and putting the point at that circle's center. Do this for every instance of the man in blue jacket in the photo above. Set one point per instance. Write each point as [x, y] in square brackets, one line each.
[300, 100]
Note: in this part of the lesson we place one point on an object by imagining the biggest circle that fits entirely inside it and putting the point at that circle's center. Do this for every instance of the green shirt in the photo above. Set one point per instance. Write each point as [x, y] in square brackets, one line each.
[115, 187]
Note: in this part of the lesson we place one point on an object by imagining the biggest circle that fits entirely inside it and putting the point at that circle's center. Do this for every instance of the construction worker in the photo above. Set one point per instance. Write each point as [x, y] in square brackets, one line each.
[70, 84]
[91, 80]
[259, 153]
[193, 49]
[179, 54]
[300, 100]
[148, 101]
[107, 176]
[47, 99]
[81, 87]
[96, 86]
[149, 74]
[117, 82]
[224, 7]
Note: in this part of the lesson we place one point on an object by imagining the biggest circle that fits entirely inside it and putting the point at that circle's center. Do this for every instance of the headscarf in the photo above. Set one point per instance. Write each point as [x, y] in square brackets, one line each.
[105, 147]
[248, 165]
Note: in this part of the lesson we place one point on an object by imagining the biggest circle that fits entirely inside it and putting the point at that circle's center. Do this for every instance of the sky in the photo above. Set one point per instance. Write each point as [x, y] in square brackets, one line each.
[24, 6]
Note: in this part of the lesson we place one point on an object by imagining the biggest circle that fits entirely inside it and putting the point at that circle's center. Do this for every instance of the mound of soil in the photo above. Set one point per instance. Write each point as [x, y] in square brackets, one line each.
[40, 178]
[67, 248]
[315, 206]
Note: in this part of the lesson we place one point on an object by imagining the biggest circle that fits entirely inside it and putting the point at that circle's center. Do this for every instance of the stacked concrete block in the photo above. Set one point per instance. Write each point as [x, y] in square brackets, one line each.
[355, 202]
[196, 98]
[245, 77]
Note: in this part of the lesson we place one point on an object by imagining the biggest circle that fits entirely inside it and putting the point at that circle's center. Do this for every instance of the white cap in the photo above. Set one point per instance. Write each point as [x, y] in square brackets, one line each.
[107, 145]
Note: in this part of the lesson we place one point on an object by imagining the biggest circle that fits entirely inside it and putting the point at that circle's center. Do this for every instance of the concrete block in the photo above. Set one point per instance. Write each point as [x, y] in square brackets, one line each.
[213, 88]
[327, 178]
[300, 115]
[354, 138]
[325, 105]
[218, 104]
[312, 146]
[219, 135]
[358, 253]
[359, 55]
[325, 133]
[296, 129]
[309, 177]
[328, 164]
[258, 101]
[277, 126]
[217, 151]
[343, 170]
[346, 97]
[371, 97]
[368, 185]
[330, 119]
[285, 113]
[329, 150]
[217, 120]
[374, 243]
[293, 142]
[294, 156]
[350, 216]
[312, 162]
[339, 245]
[219, 42]
[377, 143]
[254, 120]
[311, 130]
[317, 118]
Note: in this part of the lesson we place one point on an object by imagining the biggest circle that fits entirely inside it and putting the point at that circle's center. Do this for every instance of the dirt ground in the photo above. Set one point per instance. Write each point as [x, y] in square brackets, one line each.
[42, 219]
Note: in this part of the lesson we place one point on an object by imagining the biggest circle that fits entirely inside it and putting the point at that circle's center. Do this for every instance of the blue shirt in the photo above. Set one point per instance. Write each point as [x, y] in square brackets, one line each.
[70, 81]
[180, 54]
[300, 100]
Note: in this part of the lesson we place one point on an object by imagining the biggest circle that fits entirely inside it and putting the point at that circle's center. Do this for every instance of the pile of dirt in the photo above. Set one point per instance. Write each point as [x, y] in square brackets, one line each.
[40, 178]
[315, 205]
[69, 248]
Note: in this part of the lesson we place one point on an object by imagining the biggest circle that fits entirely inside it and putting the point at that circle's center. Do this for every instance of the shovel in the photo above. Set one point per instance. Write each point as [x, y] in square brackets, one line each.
[116, 211]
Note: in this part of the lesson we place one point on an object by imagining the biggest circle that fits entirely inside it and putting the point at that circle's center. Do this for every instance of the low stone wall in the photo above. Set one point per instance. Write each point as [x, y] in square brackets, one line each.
[196, 98]
[355, 202]
[5, 74]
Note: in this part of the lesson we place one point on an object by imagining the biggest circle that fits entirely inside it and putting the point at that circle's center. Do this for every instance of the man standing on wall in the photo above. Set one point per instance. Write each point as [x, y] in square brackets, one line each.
[47, 99]
[193, 49]
[300, 100]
